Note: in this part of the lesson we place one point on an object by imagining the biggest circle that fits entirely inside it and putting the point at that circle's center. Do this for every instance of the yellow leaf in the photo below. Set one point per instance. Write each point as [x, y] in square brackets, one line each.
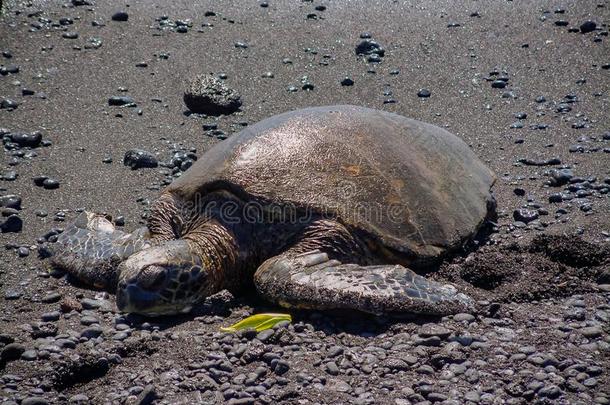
[258, 322]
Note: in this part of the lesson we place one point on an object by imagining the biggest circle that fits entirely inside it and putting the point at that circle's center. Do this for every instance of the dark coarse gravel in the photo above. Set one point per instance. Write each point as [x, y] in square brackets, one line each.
[85, 88]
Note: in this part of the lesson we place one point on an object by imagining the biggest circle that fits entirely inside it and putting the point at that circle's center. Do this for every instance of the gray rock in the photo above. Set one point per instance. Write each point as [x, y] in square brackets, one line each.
[331, 368]
[138, 159]
[591, 332]
[92, 332]
[206, 94]
[12, 351]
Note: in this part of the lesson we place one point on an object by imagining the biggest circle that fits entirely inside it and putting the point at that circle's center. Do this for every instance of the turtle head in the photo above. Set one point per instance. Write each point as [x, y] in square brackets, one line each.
[164, 279]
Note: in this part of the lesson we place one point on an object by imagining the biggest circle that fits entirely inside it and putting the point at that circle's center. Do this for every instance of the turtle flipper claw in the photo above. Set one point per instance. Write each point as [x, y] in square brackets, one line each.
[313, 280]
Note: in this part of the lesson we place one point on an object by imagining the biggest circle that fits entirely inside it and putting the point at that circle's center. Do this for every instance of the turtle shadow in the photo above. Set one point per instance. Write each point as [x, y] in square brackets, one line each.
[212, 113]
[338, 321]
[219, 305]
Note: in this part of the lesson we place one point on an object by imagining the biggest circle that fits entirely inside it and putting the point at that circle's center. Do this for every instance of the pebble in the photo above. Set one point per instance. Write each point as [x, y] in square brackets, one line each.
[431, 330]
[120, 16]
[50, 184]
[266, 335]
[463, 317]
[29, 355]
[31, 140]
[92, 332]
[12, 224]
[347, 81]
[51, 298]
[50, 316]
[79, 399]
[121, 100]
[332, 368]
[369, 47]
[8, 104]
[424, 93]
[525, 215]
[560, 177]
[70, 35]
[138, 159]
[34, 401]
[12, 351]
[10, 201]
[591, 332]
[588, 26]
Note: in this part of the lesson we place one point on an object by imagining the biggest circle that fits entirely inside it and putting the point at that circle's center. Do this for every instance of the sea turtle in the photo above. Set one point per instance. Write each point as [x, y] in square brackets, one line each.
[326, 207]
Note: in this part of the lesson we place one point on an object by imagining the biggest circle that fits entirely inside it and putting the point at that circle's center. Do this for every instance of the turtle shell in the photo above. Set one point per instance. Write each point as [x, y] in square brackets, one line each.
[413, 186]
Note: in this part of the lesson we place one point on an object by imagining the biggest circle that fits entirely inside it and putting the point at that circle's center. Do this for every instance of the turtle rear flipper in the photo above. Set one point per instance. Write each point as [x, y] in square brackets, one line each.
[90, 249]
[312, 280]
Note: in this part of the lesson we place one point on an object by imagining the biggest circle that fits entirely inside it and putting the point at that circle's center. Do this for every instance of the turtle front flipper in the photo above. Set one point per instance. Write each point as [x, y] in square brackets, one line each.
[90, 249]
[312, 280]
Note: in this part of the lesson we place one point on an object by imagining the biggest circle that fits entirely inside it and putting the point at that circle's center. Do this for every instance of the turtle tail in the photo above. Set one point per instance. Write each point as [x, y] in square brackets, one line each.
[90, 250]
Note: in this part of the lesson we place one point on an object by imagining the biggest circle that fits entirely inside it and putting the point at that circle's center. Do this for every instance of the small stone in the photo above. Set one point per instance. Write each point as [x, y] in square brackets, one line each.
[51, 298]
[39, 180]
[50, 316]
[92, 332]
[281, 367]
[8, 104]
[120, 16]
[31, 140]
[347, 82]
[120, 100]
[591, 332]
[498, 84]
[79, 399]
[556, 198]
[424, 93]
[588, 26]
[34, 401]
[29, 355]
[559, 177]
[463, 317]
[265, 335]
[138, 158]
[147, 396]
[431, 330]
[10, 201]
[550, 391]
[11, 294]
[88, 303]
[50, 184]
[369, 47]
[332, 368]
[12, 224]
[70, 35]
[525, 216]
[12, 351]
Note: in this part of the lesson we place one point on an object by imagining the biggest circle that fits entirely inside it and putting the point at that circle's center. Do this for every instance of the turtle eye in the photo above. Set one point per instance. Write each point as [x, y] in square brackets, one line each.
[184, 277]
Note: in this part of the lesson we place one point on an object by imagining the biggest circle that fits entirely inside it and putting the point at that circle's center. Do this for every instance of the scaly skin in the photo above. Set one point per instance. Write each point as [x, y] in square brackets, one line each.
[157, 276]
